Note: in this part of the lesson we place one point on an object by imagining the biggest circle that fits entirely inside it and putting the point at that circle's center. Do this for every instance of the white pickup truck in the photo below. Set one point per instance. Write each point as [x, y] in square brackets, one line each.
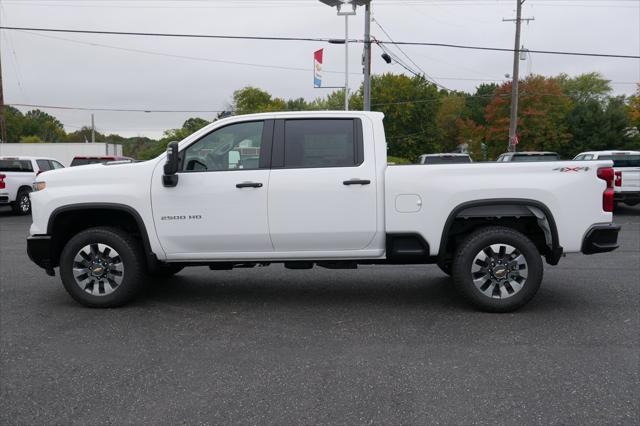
[626, 166]
[314, 188]
[16, 177]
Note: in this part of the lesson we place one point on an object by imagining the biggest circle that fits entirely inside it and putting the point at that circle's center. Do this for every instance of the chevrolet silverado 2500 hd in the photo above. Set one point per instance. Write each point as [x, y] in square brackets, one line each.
[314, 188]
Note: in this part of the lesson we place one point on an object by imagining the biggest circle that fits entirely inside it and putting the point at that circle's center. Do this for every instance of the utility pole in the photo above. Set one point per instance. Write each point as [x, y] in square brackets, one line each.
[367, 57]
[93, 129]
[346, 62]
[3, 126]
[513, 123]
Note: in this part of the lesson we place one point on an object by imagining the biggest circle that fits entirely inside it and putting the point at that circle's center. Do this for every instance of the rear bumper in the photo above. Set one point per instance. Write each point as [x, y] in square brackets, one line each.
[40, 251]
[627, 196]
[601, 238]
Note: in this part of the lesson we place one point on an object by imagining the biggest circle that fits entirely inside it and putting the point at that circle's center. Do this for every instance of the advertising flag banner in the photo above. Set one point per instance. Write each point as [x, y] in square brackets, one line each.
[317, 68]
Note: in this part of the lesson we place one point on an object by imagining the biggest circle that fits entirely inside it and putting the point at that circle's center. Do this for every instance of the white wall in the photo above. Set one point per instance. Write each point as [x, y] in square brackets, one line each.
[61, 151]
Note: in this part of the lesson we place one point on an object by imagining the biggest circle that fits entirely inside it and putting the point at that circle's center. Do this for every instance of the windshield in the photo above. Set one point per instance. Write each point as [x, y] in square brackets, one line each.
[535, 157]
[623, 160]
[15, 166]
[447, 159]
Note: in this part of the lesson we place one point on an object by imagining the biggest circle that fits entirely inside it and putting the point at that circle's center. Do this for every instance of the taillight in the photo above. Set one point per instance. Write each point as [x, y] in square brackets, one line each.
[607, 174]
[618, 180]
[2, 184]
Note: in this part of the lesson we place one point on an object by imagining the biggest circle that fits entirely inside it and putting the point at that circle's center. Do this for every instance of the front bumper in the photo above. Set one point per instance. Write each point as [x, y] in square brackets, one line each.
[601, 238]
[40, 251]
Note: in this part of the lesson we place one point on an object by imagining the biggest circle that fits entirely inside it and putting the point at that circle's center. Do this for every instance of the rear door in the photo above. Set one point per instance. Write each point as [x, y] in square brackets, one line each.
[322, 189]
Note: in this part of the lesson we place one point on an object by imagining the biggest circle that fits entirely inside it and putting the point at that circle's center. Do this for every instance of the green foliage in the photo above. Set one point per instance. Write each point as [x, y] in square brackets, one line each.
[30, 139]
[14, 121]
[397, 160]
[43, 125]
[585, 87]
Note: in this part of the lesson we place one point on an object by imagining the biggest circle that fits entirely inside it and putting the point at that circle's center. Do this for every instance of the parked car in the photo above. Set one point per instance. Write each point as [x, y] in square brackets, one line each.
[321, 194]
[444, 158]
[83, 161]
[16, 177]
[528, 156]
[627, 167]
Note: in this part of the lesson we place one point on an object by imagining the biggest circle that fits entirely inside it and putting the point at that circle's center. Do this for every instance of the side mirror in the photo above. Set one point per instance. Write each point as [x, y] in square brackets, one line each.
[170, 179]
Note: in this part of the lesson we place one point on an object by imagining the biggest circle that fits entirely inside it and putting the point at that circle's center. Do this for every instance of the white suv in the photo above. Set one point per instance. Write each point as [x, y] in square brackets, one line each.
[16, 177]
[626, 165]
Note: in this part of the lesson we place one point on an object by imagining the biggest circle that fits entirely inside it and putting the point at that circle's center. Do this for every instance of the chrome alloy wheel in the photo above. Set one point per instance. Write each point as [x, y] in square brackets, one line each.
[499, 271]
[98, 269]
[25, 203]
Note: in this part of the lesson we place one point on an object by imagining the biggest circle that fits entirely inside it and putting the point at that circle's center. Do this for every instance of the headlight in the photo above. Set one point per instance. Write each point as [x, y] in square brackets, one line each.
[39, 186]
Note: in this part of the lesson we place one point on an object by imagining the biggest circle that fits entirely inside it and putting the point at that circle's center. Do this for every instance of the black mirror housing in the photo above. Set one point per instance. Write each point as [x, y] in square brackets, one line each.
[170, 179]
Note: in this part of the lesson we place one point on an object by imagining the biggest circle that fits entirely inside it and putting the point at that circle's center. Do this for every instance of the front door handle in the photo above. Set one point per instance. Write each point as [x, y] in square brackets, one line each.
[249, 185]
[357, 182]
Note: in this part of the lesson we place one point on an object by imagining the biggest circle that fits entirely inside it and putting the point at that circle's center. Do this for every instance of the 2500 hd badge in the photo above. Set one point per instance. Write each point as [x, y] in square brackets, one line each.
[182, 217]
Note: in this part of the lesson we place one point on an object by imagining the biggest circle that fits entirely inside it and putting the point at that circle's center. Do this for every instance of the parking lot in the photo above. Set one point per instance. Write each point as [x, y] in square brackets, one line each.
[382, 345]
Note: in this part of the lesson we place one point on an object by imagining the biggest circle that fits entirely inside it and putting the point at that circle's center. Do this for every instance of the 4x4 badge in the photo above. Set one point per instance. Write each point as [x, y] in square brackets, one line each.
[571, 169]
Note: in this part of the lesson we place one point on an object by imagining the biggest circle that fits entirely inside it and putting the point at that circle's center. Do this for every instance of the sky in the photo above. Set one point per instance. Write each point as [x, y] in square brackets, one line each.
[151, 73]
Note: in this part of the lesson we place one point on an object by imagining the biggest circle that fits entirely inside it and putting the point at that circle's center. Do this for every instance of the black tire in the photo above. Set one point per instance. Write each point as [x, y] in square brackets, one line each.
[22, 205]
[129, 255]
[165, 271]
[445, 267]
[497, 279]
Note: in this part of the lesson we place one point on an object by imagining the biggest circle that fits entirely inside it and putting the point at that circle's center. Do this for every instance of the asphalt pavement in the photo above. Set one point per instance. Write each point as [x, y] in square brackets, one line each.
[377, 345]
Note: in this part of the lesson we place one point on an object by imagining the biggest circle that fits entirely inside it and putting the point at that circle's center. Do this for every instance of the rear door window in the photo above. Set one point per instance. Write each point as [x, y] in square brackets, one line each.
[10, 165]
[321, 143]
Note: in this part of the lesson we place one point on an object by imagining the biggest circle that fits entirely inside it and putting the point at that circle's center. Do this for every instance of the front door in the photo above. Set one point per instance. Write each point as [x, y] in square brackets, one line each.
[220, 202]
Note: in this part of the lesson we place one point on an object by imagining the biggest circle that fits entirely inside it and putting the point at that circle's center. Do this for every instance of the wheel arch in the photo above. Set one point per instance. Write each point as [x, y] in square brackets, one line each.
[68, 220]
[501, 211]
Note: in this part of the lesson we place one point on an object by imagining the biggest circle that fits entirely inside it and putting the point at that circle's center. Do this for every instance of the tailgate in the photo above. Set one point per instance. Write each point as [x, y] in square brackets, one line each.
[630, 179]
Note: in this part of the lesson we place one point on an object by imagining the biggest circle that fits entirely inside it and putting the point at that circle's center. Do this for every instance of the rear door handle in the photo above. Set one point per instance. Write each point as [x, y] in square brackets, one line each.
[249, 185]
[357, 182]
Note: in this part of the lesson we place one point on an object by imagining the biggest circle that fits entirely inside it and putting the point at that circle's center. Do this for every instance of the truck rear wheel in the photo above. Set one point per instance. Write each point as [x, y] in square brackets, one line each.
[497, 269]
[102, 267]
[22, 205]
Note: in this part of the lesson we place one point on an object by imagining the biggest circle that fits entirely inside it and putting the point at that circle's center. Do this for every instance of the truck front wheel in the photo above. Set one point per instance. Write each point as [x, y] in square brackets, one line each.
[102, 267]
[497, 269]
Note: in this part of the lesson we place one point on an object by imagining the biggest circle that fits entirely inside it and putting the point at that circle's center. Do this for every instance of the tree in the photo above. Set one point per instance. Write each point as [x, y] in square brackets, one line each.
[634, 108]
[249, 100]
[410, 106]
[447, 117]
[14, 121]
[43, 125]
[595, 126]
[543, 108]
[477, 103]
[585, 87]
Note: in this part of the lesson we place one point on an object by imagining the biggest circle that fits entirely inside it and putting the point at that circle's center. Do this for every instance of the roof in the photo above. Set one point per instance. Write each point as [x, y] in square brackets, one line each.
[446, 154]
[25, 157]
[531, 153]
[612, 152]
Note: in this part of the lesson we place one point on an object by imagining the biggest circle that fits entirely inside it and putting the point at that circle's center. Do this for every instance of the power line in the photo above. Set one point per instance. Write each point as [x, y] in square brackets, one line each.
[317, 39]
[433, 80]
[113, 109]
